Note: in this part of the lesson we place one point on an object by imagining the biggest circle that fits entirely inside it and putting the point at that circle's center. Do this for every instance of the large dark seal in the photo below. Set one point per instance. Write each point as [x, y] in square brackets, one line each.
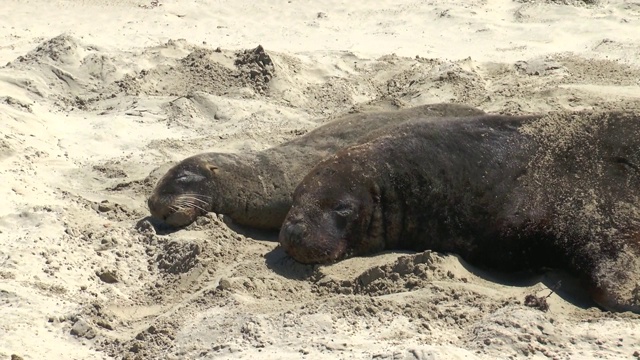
[509, 193]
[254, 189]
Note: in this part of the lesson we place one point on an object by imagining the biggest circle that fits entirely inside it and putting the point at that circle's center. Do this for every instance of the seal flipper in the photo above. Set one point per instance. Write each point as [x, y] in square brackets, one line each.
[614, 283]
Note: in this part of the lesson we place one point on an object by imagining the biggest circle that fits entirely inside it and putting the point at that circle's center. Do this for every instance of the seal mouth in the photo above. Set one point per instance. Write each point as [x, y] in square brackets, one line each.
[178, 210]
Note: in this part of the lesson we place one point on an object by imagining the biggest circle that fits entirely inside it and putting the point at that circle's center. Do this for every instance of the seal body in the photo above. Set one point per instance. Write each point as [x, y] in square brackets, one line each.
[254, 189]
[507, 193]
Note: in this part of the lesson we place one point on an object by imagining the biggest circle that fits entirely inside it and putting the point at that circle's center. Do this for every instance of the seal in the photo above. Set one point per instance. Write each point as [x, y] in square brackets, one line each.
[507, 193]
[254, 189]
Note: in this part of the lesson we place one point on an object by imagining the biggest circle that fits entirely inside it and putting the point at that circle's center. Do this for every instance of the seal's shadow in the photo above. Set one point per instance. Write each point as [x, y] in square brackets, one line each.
[284, 265]
[159, 227]
[563, 284]
[162, 228]
[276, 260]
[257, 234]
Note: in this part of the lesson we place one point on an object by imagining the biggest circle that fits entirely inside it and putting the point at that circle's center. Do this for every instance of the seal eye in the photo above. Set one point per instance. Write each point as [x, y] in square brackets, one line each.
[343, 209]
[188, 176]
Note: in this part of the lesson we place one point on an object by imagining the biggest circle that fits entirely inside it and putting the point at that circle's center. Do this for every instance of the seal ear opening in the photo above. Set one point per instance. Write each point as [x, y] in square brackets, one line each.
[212, 168]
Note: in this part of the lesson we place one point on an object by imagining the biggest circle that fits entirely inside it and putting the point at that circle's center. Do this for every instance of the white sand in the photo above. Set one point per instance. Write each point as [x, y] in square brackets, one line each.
[96, 95]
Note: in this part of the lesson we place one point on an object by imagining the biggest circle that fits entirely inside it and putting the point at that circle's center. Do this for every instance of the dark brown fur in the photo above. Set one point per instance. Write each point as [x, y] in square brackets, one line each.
[503, 192]
[254, 189]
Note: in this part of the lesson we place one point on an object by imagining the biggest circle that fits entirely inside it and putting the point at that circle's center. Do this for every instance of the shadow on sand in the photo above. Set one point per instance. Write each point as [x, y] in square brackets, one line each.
[566, 286]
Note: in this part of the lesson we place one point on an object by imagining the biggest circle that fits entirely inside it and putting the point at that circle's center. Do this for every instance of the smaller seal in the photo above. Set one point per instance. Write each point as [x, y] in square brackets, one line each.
[507, 193]
[254, 189]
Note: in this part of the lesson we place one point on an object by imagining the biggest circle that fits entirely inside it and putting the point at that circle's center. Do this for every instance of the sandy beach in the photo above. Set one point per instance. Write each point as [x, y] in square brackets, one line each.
[99, 98]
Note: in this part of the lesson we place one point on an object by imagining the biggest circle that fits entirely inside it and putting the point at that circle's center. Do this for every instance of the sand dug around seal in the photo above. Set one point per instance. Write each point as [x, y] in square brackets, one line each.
[97, 95]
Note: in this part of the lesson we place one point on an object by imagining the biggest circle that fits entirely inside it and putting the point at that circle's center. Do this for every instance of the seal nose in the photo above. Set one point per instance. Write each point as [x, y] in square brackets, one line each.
[156, 208]
[293, 234]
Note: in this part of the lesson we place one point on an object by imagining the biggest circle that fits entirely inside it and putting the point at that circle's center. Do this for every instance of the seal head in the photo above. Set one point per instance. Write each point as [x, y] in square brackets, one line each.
[338, 216]
[180, 195]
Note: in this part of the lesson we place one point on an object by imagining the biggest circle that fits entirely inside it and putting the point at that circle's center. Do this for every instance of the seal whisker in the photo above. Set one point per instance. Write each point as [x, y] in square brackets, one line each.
[185, 204]
[194, 199]
[198, 207]
[196, 195]
[177, 207]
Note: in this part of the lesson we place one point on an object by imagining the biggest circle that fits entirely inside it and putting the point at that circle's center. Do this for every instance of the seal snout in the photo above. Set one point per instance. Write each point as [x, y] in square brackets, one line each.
[156, 208]
[160, 209]
[292, 234]
[168, 209]
[298, 241]
[304, 243]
